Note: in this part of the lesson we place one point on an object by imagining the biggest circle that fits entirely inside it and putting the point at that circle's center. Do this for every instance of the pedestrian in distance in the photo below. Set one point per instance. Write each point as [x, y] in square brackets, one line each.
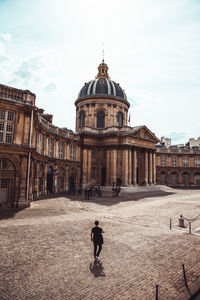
[97, 238]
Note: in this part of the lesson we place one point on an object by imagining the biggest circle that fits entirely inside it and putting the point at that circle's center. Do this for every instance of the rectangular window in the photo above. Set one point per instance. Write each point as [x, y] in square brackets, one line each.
[185, 161]
[173, 160]
[9, 127]
[197, 161]
[10, 116]
[8, 138]
[50, 147]
[6, 127]
[1, 126]
[2, 114]
[163, 160]
[61, 150]
[72, 152]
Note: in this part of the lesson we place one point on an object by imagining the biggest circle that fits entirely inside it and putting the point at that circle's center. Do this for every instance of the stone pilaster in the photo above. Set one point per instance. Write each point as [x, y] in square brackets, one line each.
[107, 166]
[85, 168]
[55, 178]
[89, 166]
[114, 166]
[154, 168]
[150, 167]
[146, 168]
[45, 179]
[66, 178]
[129, 167]
[134, 167]
[125, 167]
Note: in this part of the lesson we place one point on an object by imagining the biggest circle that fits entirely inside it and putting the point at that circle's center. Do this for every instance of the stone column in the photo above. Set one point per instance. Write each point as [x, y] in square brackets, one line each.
[150, 167]
[107, 166]
[37, 178]
[125, 166]
[114, 166]
[85, 162]
[154, 168]
[146, 168]
[68, 151]
[55, 178]
[66, 179]
[134, 167]
[89, 166]
[45, 179]
[129, 167]
[23, 172]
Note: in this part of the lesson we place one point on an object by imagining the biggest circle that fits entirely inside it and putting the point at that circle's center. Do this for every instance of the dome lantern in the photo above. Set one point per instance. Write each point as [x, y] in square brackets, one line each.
[103, 70]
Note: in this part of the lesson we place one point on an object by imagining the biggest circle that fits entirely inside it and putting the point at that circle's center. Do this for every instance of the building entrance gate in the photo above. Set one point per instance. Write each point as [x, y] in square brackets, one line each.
[103, 176]
[50, 180]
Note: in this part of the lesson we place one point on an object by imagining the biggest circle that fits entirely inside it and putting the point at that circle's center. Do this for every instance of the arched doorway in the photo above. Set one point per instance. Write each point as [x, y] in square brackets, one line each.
[61, 176]
[49, 179]
[173, 179]
[197, 179]
[103, 176]
[185, 179]
[8, 185]
[163, 178]
[71, 181]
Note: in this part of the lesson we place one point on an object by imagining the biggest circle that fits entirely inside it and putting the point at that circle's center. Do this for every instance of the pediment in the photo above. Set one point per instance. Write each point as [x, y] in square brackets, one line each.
[142, 132]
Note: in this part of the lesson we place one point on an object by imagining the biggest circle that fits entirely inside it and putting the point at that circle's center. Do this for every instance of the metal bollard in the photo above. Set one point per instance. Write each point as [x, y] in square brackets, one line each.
[170, 224]
[157, 292]
[181, 221]
[190, 228]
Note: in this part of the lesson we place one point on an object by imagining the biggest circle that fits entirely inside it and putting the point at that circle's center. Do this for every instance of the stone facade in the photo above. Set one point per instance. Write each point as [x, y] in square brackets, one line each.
[36, 158]
[178, 167]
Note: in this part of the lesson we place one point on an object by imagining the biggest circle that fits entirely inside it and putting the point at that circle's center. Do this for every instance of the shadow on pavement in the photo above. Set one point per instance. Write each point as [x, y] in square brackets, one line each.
[9, 212]
[96, 269]
[107, 198]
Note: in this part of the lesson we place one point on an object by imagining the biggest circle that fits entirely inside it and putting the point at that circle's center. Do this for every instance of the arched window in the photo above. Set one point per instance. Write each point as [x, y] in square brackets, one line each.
[100, 119]
[82, 118]
[120, 119]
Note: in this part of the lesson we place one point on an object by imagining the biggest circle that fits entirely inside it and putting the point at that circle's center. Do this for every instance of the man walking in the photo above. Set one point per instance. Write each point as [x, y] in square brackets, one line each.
[97, 238]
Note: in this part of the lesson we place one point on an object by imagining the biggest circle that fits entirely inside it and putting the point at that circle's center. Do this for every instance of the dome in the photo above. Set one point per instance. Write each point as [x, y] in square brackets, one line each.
[102, 85]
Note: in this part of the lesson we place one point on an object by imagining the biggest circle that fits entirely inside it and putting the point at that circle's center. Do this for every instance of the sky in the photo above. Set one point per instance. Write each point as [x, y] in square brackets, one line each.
[152, 48]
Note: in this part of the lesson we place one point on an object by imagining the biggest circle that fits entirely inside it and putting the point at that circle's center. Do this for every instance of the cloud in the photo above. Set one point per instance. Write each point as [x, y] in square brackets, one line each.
[6, 37]
[51, 87]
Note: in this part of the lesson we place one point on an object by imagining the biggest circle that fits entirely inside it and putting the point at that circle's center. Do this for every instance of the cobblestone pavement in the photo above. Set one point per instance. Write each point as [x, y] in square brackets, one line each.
[46, 252]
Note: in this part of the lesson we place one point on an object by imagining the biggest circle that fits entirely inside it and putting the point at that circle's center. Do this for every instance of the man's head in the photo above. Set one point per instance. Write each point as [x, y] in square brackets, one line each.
[96, 223]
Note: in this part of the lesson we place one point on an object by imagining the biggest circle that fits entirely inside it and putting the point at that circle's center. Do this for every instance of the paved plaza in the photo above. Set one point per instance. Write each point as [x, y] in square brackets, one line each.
[46, 252]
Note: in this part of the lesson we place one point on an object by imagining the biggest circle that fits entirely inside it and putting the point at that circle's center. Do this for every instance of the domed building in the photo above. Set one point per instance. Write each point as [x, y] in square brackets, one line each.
[112, 151]
[38, 158]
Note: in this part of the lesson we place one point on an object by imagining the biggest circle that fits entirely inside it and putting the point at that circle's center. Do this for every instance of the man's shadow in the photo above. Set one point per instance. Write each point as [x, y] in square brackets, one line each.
[96, 268]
